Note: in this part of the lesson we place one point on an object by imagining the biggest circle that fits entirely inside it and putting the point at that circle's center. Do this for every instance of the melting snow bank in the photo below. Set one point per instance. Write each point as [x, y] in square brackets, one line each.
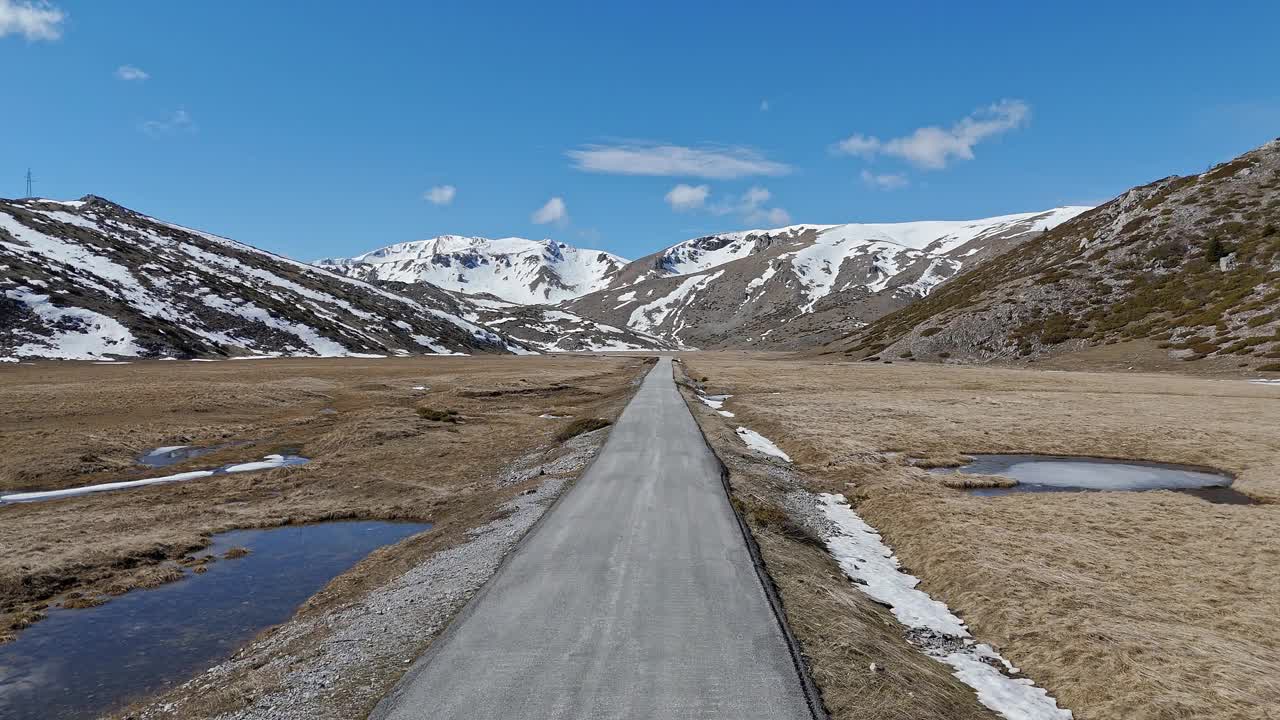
[715, 402]
[269, 462]
[756, 441]
[935, 629]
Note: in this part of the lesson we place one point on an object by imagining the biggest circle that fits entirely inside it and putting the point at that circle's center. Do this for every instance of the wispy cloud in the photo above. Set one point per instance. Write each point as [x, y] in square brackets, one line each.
[555, 211]
[130, 72]
[37, 20]
[178, 121]
[933, 147]
[642, 158]
[764, 106]
[886, 181]
[751, 206]
[440, 194]
[683, 198]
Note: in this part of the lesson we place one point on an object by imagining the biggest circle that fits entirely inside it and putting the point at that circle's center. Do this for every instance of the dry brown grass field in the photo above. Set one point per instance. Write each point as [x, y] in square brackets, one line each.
[377, 454]
[1143, 606]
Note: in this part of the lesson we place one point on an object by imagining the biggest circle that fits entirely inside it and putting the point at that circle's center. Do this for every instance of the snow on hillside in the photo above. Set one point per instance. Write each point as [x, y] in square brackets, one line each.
[804, 281]
[891, 247]
[514, 269]
[552, 330]
[90, 279]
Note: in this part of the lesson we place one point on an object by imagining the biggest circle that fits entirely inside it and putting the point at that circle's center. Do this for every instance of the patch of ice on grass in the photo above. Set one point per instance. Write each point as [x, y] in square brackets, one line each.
[421, 387]
[72, 492]
[756, 441]
[1265, 381]
[270, 462]
[725, 413]
[715, 402]
[864, 557]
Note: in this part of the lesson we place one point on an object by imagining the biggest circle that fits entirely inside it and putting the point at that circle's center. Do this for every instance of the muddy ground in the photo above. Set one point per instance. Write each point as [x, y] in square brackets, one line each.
[377, 454]
[1144, 606]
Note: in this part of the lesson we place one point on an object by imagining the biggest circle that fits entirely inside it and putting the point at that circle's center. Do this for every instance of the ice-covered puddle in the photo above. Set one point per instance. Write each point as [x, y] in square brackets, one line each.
[1056, 473]
[173, 454]
[85, 663]
[269, 462]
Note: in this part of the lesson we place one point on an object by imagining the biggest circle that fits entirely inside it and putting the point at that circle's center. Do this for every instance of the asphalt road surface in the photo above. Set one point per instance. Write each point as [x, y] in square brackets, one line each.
[635, 597]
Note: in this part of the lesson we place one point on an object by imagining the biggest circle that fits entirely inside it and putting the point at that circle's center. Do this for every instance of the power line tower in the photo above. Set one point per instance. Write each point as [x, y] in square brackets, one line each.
[30, 181]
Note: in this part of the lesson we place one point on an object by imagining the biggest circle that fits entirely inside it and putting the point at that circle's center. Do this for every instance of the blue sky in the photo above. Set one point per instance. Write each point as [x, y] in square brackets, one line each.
[321, 128]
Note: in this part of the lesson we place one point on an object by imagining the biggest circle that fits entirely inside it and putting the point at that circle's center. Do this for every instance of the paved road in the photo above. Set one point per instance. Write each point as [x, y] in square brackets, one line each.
[635, 597]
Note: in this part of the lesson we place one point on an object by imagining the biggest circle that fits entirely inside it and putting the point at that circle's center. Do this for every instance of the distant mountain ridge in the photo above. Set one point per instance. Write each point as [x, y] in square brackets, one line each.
[89, 279]
[1189, 264]
[518, 270]
[801, 284]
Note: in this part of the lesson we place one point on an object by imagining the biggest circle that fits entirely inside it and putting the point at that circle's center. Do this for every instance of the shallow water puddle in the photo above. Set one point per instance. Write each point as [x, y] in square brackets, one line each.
[173, 454]
[83, 663]
[1052, 473]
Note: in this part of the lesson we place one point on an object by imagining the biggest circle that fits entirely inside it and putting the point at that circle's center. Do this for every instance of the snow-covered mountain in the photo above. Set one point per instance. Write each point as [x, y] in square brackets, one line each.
[1189, 264]
[514, 269]
[90, 279]
[799, 284]
[538, 327]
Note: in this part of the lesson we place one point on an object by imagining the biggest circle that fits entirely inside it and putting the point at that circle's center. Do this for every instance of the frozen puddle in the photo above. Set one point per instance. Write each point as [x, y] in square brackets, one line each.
[269, 462]
[173, 454]
[1054, 473]
[937, 631]
[84, 663]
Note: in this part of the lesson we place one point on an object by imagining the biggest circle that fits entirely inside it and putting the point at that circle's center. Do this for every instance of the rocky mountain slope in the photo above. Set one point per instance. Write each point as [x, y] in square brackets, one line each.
[1191, 263]
[538, 327]
[801, 285]
[90, 279]
[512, 269]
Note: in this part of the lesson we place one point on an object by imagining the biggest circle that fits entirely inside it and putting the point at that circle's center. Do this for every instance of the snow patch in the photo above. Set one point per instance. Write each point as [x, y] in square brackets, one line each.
[864, 557]
[760, 443]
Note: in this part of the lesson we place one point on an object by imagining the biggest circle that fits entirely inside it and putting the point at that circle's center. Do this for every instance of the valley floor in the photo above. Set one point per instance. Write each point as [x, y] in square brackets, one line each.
[1144, 606]
[383, 443]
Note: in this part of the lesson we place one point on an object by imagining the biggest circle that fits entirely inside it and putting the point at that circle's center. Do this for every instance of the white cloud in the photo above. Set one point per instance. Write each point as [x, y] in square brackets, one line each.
[687, 197]
[887, 181]
[675, 160]
[772, 216]
[33, 20]
[764, 106]
[129, 72]
[933, 147]
[177, 121]
[554, 211]
[859, 144]
[440, 194]
[750, 206]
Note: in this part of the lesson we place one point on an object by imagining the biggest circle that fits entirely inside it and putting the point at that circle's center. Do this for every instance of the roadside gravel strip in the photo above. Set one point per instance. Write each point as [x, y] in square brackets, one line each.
[371, 642]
